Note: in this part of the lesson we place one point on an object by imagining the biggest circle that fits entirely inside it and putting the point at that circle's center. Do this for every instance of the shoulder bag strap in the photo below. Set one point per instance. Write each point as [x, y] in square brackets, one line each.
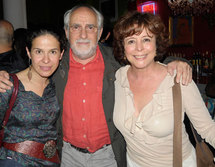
[12, 100]
[177, 134]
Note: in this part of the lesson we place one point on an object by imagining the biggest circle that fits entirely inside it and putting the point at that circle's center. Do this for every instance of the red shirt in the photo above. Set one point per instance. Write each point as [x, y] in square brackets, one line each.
[84, 123]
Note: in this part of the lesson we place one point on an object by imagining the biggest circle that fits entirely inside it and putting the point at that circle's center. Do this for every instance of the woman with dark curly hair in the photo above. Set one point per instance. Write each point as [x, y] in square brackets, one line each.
[143, 109]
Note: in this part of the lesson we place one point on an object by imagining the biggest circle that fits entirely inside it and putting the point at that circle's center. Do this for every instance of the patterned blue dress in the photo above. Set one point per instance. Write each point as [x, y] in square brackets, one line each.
[32, 118]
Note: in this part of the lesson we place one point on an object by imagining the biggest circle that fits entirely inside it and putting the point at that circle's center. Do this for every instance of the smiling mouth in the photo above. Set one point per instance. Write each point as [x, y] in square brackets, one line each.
[44, 68]
[83, 43]
[140, 57]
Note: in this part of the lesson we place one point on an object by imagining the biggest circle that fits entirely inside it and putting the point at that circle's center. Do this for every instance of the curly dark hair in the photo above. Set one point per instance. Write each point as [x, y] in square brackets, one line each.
[134, 23]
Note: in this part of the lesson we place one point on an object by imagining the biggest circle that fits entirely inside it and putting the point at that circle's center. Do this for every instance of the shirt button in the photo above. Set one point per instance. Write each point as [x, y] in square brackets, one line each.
[84, 101]
[83, 119]
[83, 68]
[84, 136]
[84, 84]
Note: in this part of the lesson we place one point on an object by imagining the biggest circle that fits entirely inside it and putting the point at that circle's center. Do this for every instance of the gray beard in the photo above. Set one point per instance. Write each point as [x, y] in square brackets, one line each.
[84, 56]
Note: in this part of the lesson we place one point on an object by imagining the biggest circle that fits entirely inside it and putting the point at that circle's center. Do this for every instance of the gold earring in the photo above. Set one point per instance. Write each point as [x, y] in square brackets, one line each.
[29, 70]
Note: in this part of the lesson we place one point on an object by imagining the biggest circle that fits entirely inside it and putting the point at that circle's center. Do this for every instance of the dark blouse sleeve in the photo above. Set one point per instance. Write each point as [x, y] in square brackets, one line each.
[4, 102]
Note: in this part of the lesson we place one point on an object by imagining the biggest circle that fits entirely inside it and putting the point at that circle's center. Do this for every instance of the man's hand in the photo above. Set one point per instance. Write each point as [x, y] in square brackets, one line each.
[4, 81]
[183, 70]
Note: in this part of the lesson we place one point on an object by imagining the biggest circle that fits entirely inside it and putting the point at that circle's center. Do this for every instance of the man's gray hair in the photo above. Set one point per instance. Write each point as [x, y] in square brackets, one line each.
[68, 13]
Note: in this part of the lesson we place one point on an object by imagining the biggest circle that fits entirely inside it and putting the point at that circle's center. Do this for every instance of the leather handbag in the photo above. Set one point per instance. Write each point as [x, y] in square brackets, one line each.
[204, 156]
[11, 103]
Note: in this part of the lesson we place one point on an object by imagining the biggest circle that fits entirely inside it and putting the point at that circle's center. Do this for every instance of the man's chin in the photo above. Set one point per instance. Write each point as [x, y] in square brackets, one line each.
[81, 49]
[83, 53]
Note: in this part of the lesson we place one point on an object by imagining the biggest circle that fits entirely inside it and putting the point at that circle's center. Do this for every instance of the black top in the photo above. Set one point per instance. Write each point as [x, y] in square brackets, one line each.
[10, 62]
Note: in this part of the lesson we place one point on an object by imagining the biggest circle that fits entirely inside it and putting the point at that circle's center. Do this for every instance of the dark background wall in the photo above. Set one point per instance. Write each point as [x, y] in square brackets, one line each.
[50, 12]
[1, 10]
[203, 29]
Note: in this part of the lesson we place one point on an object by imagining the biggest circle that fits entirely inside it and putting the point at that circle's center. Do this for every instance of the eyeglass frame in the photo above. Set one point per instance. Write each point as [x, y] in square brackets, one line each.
[89, 28]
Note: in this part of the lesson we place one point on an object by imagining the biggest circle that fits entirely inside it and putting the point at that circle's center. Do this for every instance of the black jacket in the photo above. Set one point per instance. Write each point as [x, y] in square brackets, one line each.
[10, 62]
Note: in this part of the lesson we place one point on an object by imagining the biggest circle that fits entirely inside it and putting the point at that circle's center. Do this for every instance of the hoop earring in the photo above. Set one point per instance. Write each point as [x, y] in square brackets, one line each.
[29, 70]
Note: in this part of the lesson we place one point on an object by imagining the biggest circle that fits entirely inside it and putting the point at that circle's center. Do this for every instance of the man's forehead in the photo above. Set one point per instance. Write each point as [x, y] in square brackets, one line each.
[83, 14]
[81, 19]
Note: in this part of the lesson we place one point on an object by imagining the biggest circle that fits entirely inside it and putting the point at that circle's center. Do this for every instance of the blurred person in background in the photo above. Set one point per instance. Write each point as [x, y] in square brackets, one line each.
[19, 44]
[9, 60]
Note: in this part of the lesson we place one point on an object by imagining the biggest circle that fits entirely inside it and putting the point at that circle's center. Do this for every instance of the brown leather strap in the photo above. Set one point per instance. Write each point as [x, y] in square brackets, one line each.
[32, 149]
[12, 99]
[177, 135]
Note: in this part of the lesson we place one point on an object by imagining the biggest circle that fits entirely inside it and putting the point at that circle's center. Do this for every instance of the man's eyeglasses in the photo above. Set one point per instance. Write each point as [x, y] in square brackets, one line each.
[76, 28]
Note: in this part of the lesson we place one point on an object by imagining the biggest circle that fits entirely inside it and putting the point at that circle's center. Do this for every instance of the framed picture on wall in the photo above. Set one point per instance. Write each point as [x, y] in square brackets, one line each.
[181, 30]
[109, 9]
